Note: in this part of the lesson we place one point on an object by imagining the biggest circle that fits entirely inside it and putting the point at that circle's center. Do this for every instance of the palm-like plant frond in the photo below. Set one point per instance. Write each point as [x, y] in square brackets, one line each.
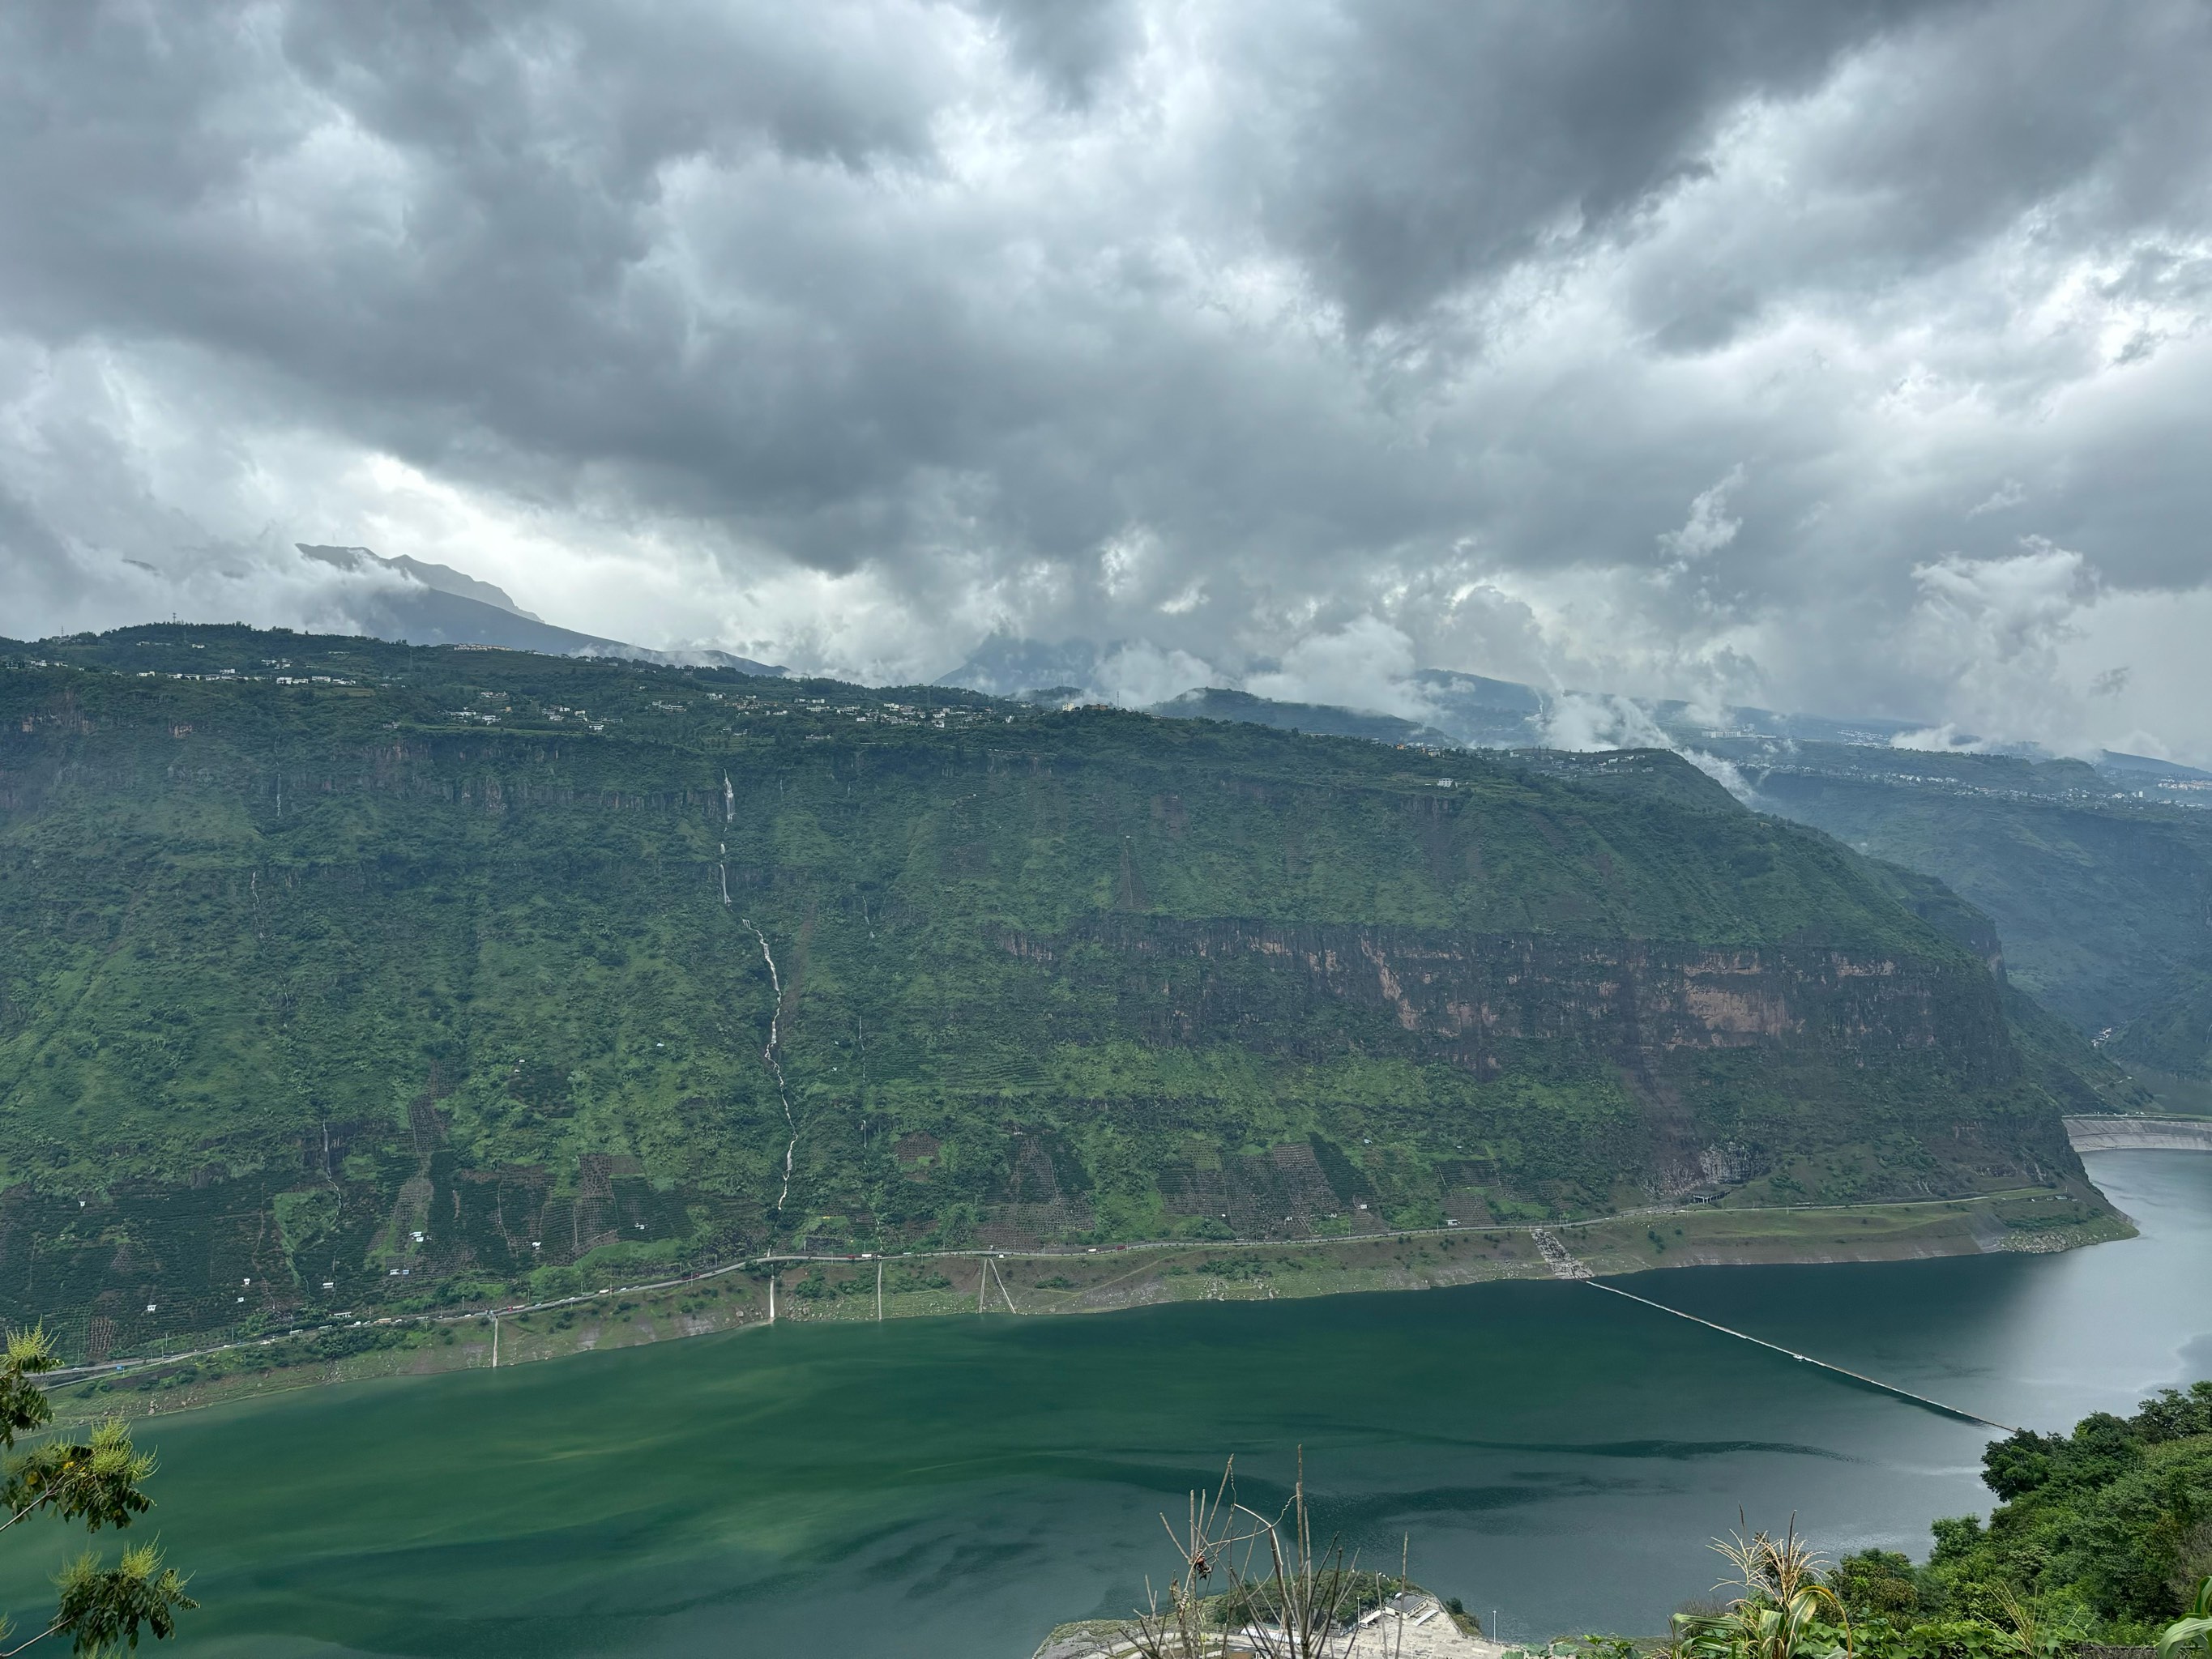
[2194, 1629]
[1784, 1610]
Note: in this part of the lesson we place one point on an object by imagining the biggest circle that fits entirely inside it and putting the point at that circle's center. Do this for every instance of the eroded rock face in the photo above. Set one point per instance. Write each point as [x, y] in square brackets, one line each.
[1479, 998]
[1680, 1068]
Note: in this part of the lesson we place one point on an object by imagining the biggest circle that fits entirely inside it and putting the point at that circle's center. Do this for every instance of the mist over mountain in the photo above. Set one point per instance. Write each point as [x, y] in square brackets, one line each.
[1772, 359]
[437, 604]
[339, 973]
[441, 577]
[2097, 871]
[1434, 706]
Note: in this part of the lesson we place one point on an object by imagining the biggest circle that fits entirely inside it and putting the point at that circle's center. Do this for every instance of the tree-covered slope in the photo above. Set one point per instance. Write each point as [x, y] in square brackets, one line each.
[335, 969]
[2104, 1532]
[2105, 903]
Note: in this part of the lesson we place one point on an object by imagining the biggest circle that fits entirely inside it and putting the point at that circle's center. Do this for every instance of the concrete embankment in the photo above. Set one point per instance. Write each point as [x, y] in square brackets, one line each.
[2144, 1134]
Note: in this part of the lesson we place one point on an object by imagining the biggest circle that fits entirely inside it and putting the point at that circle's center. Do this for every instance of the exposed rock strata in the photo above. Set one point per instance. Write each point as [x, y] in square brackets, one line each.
[1472, 996]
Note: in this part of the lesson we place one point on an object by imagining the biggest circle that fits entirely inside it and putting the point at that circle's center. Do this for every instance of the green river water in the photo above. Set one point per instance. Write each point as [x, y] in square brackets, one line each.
[937, 1488]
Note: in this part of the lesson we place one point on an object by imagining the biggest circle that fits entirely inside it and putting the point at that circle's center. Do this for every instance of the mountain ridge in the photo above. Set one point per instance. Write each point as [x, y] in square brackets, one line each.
[417, 972]
[2100, 872]
[437, 604]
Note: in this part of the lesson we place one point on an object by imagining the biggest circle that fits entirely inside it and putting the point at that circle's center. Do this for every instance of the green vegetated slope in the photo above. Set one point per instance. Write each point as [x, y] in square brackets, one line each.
[2105, 905]
[441, 970]
[2104, 1532]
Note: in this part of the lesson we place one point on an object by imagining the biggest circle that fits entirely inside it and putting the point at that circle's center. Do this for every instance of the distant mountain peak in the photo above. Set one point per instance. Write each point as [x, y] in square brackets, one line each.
[439, 578]
[455, 608]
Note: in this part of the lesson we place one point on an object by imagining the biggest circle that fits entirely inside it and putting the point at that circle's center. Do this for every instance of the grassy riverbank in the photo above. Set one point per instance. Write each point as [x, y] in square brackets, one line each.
[822, 1290]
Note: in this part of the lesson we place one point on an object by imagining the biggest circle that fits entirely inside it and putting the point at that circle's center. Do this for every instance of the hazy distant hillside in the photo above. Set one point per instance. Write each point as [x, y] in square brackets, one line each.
[1319, 719]
[2099, 877]
[333, 970]
[437, 604]
[2103, 896]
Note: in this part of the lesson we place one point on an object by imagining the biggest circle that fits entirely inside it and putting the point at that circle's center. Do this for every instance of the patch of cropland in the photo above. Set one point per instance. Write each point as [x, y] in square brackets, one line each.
[338, 975]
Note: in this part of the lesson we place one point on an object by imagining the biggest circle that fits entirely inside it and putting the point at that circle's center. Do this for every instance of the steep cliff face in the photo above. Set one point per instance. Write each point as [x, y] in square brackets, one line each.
[339, 972]
[1479, 999]
[1850, 1072]
[2105, 903]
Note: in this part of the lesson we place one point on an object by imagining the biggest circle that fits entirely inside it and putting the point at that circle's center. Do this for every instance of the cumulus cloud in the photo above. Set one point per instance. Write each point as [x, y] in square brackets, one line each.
[1138, 674]
[1583, 721]
[1586, 722]
[1708, 529]
[1364, 664]
[1944, 739]
[2011, 493]
[1991, 630]
[1685, 351]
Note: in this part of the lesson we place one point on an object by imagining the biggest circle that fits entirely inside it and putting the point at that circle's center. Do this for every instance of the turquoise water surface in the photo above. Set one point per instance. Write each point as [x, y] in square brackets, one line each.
[953, 1487]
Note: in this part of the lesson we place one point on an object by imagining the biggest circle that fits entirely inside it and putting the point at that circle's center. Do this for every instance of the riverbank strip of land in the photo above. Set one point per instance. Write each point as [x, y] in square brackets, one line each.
[793, 1288]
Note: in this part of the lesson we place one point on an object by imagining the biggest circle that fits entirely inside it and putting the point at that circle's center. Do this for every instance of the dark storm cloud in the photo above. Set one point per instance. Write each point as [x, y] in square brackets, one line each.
[1072, 45]
[2068, 123]
[1424, 144]
[1677, 343]
[445, 205]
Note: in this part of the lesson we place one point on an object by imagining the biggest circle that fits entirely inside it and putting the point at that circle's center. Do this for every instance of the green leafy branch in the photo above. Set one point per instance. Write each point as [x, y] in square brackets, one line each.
[96, 1480]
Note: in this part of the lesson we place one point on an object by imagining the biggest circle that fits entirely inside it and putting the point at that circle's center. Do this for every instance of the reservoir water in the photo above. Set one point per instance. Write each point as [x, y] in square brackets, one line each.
[950, 1489]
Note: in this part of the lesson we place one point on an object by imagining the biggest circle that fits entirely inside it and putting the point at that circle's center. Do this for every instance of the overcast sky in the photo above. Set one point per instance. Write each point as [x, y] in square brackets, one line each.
[1847, 357]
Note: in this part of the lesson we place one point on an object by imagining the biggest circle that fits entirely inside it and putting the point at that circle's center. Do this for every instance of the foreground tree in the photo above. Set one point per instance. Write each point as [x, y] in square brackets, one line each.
[95, 1480]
